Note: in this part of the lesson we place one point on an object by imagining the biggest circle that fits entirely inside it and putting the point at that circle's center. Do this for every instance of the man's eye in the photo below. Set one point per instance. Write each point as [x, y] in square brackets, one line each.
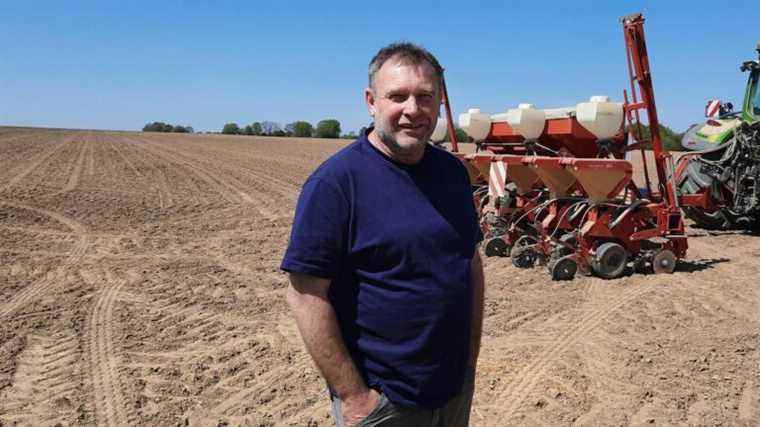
[397, 98]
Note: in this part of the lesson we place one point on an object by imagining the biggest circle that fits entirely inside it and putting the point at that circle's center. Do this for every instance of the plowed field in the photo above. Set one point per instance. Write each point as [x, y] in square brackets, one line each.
[139, 284]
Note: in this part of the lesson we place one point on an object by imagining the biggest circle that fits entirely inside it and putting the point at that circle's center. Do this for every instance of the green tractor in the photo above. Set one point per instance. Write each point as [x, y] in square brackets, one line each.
[719, 183]
[722, 120]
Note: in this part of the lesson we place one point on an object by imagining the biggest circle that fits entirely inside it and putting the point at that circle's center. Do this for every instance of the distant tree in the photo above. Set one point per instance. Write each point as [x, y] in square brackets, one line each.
[248, 130]
[329, 128]
[279, 132]
[231, 129]
[671, 140]
[166, 127]
[189, 129]
[349, 135]
[154, 127]
[269, 128]
[302, 129]
[461, 135]
[256, 128]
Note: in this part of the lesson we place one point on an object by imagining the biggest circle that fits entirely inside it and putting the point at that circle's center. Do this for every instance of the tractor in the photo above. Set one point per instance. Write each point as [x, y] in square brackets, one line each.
[719, 185]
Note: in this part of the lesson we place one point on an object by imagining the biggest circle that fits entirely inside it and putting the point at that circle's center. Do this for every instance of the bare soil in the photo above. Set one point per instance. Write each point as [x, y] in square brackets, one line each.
[139, 284]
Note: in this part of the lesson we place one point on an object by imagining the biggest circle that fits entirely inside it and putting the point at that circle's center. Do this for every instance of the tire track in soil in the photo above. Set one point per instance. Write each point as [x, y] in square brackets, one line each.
[749, 403]
[15, 160]
[76, 171]
[195, 194]
[263, 382]
[75, 256]
[166, 199]
[284, 337]
[252, 164]
[109, 402]
[227, 195]
[118, 150]
[90, 156]
[264, 178]
[31, 168]
[66, 163]
[43, 381]
[228, 188]
[527, 378]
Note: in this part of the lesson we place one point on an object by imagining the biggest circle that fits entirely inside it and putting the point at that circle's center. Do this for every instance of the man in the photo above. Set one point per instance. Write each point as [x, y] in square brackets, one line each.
[386, 281]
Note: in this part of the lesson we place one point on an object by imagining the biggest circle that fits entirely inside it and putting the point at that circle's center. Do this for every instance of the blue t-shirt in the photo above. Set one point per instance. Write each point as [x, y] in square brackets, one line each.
[396, 242]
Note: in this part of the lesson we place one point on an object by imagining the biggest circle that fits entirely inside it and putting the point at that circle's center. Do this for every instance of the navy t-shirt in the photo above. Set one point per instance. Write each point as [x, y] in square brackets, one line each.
[396, 242]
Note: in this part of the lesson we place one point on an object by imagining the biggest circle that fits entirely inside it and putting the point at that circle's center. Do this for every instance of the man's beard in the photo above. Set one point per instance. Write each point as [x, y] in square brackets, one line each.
[390, 141]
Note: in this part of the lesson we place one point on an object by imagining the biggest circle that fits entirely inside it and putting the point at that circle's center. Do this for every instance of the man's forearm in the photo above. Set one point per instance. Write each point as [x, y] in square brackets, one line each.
[319, 329]
[478, 294]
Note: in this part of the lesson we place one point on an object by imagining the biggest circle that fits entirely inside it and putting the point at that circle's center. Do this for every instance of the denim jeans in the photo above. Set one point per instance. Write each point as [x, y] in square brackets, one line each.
[455, 413]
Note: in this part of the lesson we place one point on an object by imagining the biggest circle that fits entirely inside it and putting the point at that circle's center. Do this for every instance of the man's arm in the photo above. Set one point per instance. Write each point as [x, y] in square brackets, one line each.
[478, 291]
[308, 300]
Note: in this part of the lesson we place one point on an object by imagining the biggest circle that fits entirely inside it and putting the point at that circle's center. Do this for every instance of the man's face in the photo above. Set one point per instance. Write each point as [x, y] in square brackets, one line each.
[404, 102]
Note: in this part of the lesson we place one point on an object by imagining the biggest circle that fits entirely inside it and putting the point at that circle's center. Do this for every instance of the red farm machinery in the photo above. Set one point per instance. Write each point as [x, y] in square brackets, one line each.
[554, 188]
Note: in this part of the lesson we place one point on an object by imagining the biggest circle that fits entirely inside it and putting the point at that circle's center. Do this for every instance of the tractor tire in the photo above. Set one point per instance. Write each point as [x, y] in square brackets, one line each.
[609, 261]
[718, 220]
[693, 181]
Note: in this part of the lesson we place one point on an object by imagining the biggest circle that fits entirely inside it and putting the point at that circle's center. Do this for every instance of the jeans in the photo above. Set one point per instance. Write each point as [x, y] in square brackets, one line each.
[455, 413]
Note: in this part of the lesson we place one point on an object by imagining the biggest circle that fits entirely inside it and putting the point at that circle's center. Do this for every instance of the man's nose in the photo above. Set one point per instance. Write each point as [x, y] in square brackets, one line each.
[412, 106]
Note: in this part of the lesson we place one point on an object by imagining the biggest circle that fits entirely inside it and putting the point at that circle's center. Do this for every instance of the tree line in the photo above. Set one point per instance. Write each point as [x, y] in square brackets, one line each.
[329, 128]
[166, 127]
[671, 140]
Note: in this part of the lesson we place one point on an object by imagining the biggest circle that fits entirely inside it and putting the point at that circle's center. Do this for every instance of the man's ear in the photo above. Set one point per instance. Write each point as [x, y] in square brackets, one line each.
[369, 98]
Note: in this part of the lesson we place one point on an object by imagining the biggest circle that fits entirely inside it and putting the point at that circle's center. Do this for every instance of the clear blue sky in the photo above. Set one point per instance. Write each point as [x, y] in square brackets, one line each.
[118, 65]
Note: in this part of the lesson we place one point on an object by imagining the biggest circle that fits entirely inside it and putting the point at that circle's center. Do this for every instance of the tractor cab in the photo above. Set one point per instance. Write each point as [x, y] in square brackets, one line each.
[751, 107]
[721, 119]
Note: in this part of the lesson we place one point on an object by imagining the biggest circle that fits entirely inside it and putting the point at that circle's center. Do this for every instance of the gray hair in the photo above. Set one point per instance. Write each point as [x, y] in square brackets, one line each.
[404, 52]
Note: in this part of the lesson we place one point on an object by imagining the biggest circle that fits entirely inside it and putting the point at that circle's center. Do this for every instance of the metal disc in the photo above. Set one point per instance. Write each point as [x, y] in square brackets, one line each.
[664, 262]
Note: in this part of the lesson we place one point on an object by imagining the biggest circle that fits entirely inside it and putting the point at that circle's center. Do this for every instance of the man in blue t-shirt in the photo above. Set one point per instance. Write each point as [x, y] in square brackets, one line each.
[386, 279]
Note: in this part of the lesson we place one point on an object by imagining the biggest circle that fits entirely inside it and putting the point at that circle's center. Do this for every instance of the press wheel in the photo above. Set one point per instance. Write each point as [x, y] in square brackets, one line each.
[523, 253]
[496, 246]
[563, 268]
[609, 261]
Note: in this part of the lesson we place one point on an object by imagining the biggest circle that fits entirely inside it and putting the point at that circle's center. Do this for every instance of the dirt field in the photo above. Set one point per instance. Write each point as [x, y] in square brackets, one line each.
[139, 284]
